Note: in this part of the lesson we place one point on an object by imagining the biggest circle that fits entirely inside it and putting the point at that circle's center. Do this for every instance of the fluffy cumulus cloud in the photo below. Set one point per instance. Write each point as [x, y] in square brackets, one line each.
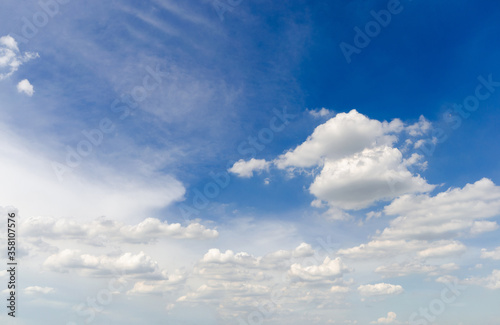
[327, 270]
[357, 181]
[381, 248]
[450, 213]
[390, 319]
[445, 249]
[146, 231]
[216, 256]
[420, 128]
[494, 255]
[491, 281]
[358, 160]
[483, 226]
[427, 226]
[10, 56]
[272, 260]
[380, 289]
[341, 136]
[24, 86]
[296, 277]
[244, 168]
[70, 260]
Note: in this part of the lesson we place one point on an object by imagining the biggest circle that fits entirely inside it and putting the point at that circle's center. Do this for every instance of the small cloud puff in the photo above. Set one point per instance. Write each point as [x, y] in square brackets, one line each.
[24, 86]
[390, 319]
[320, 113]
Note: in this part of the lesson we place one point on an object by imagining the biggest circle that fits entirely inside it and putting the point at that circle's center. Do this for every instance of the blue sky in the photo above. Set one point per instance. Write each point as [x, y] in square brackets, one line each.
[228, 162]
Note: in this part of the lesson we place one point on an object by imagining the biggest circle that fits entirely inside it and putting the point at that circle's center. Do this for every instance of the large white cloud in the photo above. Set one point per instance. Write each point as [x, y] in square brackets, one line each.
[427, 224]
[239, 281]
[357, 181]
[359, 162]
[10, 56]
[341, 136]
[448, 214]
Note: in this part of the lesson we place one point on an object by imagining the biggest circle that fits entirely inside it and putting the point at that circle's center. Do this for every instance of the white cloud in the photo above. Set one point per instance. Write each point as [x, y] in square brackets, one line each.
[85, 195]
[372, 175]
[171, 283]
[341, 136]
[237, 280]
[70, 260]
[358, 162]
[38, 290]
[443, 249]
[320, 112]
[449, 213]
[491, 281]
[390, 319]
[146, 231]
[419, 143]
[414, 267]
[478, 227]
[426, 226]
[339, 289]
[10, 56]
[269, 261]
[244, 168]
[494, 255]
[447, 279]
[420, 128]
[214, 255]
[380, 289]
[329, 269]
[303, 250]
[24, 86]
[382, 248]
[373, 214]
